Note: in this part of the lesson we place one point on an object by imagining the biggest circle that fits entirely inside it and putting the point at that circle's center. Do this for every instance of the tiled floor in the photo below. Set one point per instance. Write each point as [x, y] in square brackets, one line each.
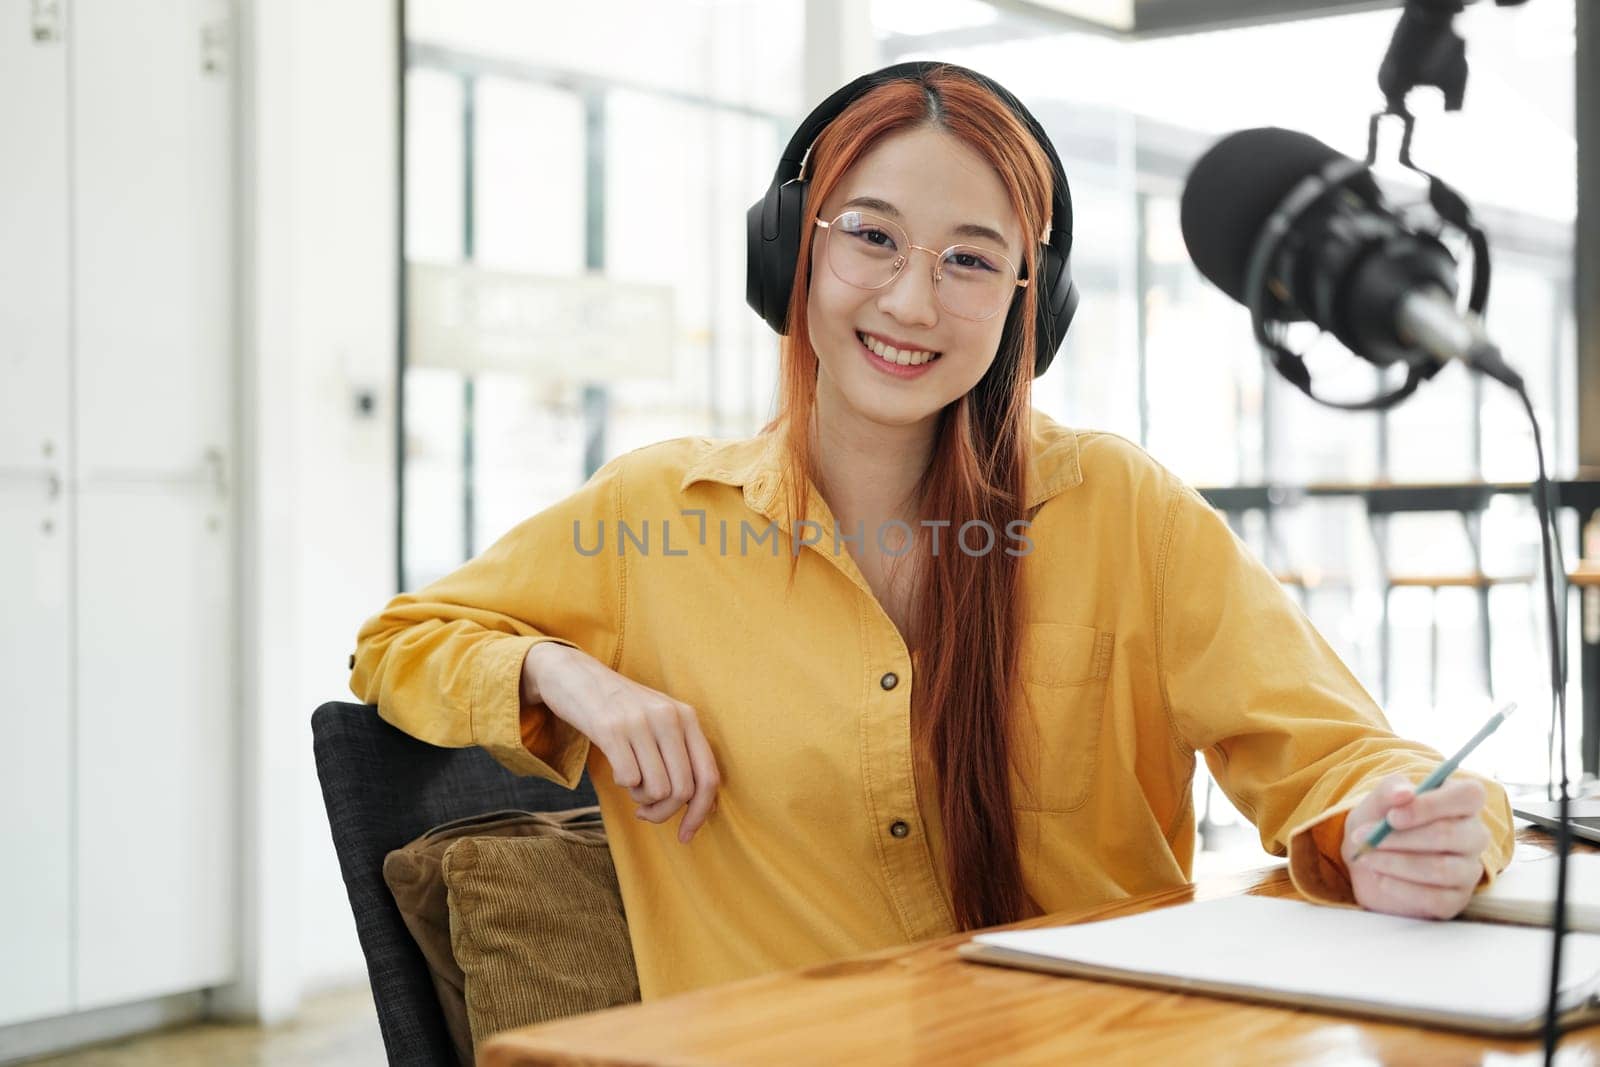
[335, 1028]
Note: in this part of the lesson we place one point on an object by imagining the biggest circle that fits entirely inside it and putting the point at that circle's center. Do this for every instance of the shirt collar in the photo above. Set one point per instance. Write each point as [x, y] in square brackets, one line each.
[756, 464]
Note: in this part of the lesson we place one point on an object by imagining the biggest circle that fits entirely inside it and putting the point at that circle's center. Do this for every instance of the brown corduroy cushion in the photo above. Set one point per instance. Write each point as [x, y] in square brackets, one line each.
[414, 876]
[538, 928]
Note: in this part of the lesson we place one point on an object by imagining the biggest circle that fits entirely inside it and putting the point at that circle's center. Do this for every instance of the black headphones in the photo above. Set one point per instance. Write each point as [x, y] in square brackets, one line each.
[773, 223]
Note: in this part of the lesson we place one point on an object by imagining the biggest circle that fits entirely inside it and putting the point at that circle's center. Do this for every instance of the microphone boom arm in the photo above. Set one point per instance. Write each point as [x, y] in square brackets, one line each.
[1427, 51]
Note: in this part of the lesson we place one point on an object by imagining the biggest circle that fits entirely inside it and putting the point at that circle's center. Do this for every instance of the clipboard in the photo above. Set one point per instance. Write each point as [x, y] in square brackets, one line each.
[1483, 978]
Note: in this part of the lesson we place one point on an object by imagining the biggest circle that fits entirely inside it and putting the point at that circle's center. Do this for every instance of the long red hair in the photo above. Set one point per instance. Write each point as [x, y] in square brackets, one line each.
[966, 609]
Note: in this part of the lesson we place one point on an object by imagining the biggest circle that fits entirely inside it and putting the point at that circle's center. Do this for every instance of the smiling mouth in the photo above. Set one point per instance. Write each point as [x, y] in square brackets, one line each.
[899, 357]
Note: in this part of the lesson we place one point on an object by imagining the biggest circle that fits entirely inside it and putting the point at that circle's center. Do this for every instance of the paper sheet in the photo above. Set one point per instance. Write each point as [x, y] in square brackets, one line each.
[1479, 969]
[1526, 892]
[1534, 879]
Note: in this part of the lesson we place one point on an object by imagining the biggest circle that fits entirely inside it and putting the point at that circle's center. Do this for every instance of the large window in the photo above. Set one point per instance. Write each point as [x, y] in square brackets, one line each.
[555, 150]
[543, 155]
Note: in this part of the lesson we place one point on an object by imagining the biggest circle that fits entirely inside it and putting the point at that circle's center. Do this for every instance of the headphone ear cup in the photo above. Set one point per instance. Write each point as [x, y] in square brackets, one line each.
[772, 250]
[1057, 304]
[756, 258]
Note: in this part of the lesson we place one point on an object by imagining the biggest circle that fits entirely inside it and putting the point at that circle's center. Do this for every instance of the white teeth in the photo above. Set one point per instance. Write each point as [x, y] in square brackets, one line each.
[891, 354]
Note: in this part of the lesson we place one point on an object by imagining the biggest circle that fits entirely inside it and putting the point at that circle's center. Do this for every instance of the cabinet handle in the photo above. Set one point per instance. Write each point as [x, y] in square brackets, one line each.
[219, 471]
[46, 21]
[212, 473]
[214, 47]
[50, 476]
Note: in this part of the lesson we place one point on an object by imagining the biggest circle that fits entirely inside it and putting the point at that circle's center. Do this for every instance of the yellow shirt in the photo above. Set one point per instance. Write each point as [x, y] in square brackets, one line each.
[1151, 634]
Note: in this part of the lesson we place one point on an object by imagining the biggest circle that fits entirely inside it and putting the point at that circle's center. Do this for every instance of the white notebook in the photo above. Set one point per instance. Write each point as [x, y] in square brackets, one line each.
[1525, 892]
[1476, 976]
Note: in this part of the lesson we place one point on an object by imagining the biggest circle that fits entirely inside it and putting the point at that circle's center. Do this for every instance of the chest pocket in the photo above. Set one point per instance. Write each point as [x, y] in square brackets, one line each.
[1064, 668]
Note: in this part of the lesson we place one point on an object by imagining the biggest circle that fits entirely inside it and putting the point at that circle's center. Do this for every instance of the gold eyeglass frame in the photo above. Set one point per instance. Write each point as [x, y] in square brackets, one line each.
[937, 269]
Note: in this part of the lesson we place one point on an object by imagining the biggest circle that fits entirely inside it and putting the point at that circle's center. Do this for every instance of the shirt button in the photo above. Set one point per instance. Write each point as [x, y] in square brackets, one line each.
[889, 681]
[899, 828]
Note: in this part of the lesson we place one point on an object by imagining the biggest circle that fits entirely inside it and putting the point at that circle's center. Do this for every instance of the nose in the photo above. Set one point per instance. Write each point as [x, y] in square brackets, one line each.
[910, 298]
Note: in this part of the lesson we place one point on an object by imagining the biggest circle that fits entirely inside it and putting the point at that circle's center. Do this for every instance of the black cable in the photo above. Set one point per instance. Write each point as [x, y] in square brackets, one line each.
[1558, 672]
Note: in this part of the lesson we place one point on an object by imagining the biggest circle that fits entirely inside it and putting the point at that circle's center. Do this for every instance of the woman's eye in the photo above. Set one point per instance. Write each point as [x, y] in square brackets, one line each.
[971, 261]
[876, 237]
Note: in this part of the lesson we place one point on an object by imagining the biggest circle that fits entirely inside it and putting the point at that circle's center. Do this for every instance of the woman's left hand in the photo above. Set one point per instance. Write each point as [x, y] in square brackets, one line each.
[1431, 861]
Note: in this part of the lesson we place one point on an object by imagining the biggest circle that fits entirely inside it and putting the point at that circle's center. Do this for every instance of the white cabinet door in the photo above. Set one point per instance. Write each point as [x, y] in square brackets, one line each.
[35, 760]
[155, 784]
[151, 132]
[35, 666]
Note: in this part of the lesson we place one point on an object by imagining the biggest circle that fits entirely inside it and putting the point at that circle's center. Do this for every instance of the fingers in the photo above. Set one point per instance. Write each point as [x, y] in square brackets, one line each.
[1445, 870]
[656, 784]
[655, 746]
[707, 781]
[1395, 799]
[674, 754]
[1466, 836]
[624, 768]
[674, 765]
[1391, 792]
[1429, 865]
[1442, 820]
[1383, 892]
[1455, 799]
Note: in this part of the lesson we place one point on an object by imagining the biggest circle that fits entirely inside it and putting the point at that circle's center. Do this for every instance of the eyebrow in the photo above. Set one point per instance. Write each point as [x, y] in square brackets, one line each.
[966, 229]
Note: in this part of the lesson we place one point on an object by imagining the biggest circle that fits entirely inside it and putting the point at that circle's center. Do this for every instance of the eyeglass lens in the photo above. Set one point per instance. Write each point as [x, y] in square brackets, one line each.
[869, 251]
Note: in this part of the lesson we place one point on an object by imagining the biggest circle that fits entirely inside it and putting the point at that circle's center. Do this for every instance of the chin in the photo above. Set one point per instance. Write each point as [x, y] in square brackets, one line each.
[899, 417]
[906, 409]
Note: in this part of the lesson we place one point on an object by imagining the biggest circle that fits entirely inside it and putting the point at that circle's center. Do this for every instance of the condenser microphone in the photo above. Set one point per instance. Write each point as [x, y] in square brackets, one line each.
[1285, 224]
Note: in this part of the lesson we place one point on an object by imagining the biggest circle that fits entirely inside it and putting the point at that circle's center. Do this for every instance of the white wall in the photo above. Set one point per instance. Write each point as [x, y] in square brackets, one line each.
[317, 162]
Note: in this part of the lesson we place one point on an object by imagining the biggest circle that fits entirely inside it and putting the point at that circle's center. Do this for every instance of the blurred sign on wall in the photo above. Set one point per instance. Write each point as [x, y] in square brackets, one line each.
[585, 328]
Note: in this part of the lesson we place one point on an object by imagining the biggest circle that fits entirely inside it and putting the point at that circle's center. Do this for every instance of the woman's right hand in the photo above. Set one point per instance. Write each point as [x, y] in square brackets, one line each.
[654, 743]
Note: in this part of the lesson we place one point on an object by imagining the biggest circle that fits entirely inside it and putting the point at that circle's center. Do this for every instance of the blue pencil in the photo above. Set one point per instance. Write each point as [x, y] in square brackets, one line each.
[1436, 779]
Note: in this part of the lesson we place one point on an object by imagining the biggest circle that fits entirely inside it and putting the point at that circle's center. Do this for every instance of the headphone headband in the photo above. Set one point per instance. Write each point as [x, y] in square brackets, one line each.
[795, 153]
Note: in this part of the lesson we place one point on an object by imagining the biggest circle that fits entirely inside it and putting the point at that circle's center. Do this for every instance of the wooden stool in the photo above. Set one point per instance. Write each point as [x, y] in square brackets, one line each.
[1586, 575]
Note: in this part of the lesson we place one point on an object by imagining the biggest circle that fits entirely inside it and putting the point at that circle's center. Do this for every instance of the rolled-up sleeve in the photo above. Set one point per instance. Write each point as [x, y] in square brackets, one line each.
[444, 664]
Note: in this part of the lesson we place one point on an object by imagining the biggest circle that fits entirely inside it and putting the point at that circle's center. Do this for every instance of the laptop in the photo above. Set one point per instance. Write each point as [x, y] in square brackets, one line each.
[1582, 815]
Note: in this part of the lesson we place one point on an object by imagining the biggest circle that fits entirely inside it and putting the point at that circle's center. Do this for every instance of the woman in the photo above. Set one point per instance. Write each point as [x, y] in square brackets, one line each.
[915, 659]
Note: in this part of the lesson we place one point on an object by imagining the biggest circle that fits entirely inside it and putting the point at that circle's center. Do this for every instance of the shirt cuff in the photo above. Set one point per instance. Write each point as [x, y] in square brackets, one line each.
[1315, 866]
[526, 741]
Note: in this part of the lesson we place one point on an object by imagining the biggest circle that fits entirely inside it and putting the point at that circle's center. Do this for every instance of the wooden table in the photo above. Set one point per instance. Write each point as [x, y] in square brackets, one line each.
[923, 1005]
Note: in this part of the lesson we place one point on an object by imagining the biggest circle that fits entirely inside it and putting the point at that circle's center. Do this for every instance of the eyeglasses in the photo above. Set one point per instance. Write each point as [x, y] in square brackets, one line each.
[869, 252]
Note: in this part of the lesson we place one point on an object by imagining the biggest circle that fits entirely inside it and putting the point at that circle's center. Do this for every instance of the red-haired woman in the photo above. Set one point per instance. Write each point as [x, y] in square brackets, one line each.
[914, 659]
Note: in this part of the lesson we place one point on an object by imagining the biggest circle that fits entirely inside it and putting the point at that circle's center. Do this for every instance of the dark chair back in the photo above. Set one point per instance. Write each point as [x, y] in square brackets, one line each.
[383, 788]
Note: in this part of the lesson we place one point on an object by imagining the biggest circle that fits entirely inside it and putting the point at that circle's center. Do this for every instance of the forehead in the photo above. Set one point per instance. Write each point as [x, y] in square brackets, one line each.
[936, 180]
